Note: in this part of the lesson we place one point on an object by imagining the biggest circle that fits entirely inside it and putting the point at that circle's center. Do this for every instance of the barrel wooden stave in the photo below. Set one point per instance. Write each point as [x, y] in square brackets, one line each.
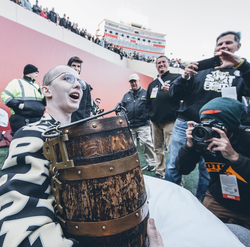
[100, 147]
[105, 198]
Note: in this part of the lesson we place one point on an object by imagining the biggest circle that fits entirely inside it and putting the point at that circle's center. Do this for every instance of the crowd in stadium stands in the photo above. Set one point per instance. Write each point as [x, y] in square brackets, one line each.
[73, 27]
[176, 63]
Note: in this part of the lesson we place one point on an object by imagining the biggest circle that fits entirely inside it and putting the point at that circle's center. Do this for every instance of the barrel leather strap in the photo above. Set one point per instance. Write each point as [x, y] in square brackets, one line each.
[106, 228]
[99, 170]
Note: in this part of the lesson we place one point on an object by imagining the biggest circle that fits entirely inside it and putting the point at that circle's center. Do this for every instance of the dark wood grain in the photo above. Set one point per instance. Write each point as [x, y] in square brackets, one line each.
[106, 198]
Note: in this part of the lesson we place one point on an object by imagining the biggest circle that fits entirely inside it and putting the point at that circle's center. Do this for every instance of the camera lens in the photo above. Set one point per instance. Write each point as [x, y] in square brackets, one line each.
[201, 133]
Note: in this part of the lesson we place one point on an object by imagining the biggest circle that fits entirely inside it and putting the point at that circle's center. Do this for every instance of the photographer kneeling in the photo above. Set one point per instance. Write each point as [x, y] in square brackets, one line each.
[224, 144]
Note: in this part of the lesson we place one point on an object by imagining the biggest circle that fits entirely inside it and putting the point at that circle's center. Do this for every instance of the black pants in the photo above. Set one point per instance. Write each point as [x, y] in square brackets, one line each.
[18, 121]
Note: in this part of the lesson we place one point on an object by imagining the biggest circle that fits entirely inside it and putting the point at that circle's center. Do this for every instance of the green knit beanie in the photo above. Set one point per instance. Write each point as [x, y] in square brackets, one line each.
[225, 110]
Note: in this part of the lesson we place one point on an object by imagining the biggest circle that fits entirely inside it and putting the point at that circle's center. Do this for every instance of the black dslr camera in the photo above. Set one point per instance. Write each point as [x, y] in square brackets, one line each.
[203, 131]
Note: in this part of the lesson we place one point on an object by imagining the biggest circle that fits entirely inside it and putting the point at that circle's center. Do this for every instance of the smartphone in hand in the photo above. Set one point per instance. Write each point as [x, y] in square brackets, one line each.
[209, 63]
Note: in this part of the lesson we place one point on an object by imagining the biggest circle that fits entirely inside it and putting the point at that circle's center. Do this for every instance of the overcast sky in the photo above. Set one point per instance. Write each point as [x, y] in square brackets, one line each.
[191, 26]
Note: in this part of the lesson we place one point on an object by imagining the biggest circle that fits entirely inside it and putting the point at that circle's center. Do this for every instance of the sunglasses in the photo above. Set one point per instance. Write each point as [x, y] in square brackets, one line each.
[70, 79]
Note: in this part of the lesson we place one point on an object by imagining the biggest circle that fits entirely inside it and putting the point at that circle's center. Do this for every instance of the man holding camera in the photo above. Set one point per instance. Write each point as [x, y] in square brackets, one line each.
[224, 144]
[230, 79]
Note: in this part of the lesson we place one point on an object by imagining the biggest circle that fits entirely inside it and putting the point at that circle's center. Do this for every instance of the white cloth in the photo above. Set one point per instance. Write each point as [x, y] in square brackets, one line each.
[182, 220]
[4, 119]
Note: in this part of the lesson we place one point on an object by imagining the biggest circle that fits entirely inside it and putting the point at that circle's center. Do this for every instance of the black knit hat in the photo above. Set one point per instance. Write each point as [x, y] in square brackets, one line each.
[225, 110]
[29, 68]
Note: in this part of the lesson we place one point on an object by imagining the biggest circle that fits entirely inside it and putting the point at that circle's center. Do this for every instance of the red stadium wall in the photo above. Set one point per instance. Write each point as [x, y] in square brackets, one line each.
[21, 45]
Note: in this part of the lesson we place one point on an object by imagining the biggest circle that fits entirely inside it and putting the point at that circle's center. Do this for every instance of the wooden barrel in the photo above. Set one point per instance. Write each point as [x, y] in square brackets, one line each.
[98, 183]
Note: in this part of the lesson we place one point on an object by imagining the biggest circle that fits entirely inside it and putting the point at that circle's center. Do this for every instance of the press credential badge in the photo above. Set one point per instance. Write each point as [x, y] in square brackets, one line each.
[229, 187]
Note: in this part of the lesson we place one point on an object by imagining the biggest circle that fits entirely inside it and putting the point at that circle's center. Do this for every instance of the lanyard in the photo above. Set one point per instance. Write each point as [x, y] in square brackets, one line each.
[161, 81]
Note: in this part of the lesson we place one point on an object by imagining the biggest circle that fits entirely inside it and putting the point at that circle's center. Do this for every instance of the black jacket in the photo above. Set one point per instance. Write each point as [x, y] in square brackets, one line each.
[52, 16]
[216, 165]
[162, 108]
[63, 22]
[69, 24]
[135, 104]
[36, 9]
[206, 85]
[84, 107]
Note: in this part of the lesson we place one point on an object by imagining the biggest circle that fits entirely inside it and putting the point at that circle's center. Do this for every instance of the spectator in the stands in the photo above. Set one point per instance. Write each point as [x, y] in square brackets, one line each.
[63, 21]
[102, 42]
[97, 40]
[183, 65]
[89, 36]
[111, 47]
[36, 9]
[68, 23]
[135, 56]
[19, 2]
[26, 4]
[116, 49]
[73, 28]
[52, 15]
[176, 64]
[43, 13]
[47, 11]
[172, 62]
[86, 33]
[82, 33]
[121, 53]
[77, 30]
[58, 19]
[149, 60]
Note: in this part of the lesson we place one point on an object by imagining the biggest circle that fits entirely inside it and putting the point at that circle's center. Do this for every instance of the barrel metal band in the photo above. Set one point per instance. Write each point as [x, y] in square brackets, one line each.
[96, 126]
[50, 154]
[100, 170]
[106, 228]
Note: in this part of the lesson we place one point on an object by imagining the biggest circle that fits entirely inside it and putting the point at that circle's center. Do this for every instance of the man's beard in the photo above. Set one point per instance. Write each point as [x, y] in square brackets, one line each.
[162, 70]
